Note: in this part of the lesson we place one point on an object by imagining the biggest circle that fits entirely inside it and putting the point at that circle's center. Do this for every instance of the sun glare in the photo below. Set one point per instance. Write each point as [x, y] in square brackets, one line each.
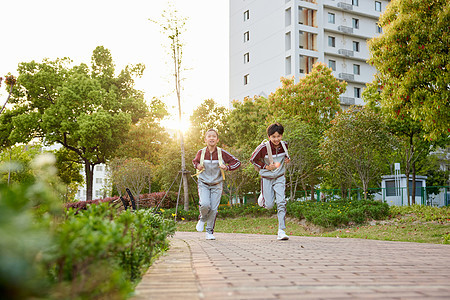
[175, 125]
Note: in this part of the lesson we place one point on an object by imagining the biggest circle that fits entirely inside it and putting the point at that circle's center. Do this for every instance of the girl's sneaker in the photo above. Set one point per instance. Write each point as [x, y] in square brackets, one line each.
[210, 236]
[200, 225]
[261, 200]
[282, 235]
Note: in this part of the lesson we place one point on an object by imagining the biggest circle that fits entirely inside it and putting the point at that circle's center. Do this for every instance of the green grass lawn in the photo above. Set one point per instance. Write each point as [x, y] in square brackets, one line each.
[407, 229]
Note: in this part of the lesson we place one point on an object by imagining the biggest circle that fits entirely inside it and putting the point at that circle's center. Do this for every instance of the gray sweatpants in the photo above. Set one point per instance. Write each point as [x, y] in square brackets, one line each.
[209, 203]
[273, 191]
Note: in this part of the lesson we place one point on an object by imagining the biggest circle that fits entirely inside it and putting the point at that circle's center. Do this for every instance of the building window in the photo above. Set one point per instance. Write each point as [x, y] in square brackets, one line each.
[287, 17]
[377, 6]
[331, 18]
[355, 23]
[98, 194]
[99, 168]
[357, 92]
[246, 36]
[307, 40]
[331, 41]
[288, 70]
[356, 69]
[98, 180]
[246, 79]
[287, 41]
[307, 16]
[306, 63]
[246, 15]
[355, 2]
[355, 46]
[332, 64]
[390, 188]
[378, 29]
[246, 58]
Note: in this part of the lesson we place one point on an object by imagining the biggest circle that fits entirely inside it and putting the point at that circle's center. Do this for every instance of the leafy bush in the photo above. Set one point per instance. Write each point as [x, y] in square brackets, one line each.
[96, 240]
[91, 251]
[338, 212]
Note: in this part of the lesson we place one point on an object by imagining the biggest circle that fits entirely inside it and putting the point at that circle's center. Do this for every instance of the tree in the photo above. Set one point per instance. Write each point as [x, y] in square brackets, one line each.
[305, 166]
[356, 144]
[314, 99]
[173, 26]
[312, 103]
[69, 169]
[410, 144]
[247, 123]
[15, 163]
[146, 138]
[87, 112]
[208, 115]
[413, 62]
[132, 173]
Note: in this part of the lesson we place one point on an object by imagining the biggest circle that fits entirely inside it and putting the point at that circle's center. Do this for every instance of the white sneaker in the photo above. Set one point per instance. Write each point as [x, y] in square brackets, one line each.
[200, 225]
[210, 236]
[261, 200]
[282, 235]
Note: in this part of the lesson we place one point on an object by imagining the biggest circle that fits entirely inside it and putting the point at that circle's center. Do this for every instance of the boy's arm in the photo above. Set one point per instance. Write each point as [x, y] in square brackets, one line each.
[257, 157]
[196, 160]
[232, 162]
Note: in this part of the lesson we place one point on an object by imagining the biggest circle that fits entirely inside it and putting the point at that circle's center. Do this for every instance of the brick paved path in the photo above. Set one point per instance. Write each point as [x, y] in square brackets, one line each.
[245, 266]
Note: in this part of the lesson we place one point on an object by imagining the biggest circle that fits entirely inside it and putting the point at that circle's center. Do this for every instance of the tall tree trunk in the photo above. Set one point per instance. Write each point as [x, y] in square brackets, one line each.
[413, 192]
[89, 172]
[312, 193]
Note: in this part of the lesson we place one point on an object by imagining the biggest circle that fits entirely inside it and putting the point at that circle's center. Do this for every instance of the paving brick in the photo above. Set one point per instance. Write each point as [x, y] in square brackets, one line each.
[243, 266]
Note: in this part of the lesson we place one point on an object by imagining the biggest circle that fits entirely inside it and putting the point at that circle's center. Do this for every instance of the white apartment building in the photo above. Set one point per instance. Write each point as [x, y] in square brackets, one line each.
[270, 39]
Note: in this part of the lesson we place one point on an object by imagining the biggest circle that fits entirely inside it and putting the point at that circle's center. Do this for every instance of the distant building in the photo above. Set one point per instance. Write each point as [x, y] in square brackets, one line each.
[270, 39]
[395, 193]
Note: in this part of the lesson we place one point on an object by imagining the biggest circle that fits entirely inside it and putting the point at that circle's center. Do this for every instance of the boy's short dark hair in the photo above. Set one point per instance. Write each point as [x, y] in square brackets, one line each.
[276, 127]
[211, 129]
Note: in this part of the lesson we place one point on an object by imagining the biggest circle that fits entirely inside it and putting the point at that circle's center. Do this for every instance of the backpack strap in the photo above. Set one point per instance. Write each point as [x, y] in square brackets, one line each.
[219, 157]
[269, 151]
[285, 149]
[202, 159]
[202, 156]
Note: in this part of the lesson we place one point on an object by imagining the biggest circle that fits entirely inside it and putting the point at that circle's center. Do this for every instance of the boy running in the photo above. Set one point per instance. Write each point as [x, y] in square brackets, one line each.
[210, 179]
[272, 174]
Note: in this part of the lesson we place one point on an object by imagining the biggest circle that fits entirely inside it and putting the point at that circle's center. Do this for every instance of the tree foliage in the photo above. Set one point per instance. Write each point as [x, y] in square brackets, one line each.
[356, 145]
[86, 111]
[413, 62]
[207, 115]
[131, 173]
[315, 98]
[304, 171]
[146, 138]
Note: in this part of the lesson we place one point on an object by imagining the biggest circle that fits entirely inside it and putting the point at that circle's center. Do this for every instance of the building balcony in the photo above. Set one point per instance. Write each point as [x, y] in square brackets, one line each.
[347, 100]
[346, 76]
[345, 6]
[345, 29]
[345, 52]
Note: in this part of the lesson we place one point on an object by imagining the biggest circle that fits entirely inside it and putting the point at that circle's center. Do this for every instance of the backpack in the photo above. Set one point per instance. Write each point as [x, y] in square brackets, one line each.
[219, 156]
[269, 152]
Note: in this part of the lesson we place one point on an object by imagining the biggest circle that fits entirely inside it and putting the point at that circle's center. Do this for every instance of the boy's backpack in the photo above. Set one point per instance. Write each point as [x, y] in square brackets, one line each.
[269, 152]
[202, 159]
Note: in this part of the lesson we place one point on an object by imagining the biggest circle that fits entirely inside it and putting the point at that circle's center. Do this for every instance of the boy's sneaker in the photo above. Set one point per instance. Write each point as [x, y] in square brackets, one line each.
[210, 236]
[282, 235]
[261, 200]
[200, 225]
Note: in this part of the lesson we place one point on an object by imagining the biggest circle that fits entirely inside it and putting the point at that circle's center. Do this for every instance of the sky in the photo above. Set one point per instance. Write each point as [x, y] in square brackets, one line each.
[34, 30]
